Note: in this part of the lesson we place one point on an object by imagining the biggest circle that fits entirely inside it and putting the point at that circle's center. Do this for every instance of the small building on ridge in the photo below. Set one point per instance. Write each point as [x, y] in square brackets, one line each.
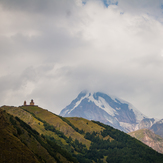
[31, 103]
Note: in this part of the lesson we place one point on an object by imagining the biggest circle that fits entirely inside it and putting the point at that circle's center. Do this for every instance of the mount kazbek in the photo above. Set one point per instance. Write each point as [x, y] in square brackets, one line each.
[112, 111]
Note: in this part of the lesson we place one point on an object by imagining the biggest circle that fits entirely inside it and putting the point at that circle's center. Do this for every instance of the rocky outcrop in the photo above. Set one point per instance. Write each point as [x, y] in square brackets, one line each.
[157, 128]
[149, 138]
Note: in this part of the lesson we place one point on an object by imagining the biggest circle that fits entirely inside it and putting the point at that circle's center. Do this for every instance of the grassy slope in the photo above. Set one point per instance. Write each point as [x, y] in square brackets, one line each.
[57, 122]
[84, 124]
[30, 120]
[23, 113]
[24, 141]
[11, 148]
[87, 126]
[149, 138]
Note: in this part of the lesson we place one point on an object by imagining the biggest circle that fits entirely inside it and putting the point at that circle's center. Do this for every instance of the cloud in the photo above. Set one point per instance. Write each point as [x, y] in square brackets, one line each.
[52, 50]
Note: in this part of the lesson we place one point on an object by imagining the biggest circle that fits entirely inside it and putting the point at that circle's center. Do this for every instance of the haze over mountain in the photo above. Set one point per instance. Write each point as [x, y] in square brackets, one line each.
[110, 110]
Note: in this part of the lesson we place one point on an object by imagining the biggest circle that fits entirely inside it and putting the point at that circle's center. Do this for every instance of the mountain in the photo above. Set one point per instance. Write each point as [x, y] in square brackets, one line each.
[51, 138]
[149, 138]
[106, 109]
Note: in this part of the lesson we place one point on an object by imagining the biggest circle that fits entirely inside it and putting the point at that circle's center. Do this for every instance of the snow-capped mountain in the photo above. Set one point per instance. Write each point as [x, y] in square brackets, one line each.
[106, 109]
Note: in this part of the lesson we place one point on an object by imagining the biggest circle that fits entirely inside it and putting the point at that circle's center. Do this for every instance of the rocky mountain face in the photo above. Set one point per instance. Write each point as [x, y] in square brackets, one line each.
[149, 138]
[157, 127]
[111, 111]
[146, 123]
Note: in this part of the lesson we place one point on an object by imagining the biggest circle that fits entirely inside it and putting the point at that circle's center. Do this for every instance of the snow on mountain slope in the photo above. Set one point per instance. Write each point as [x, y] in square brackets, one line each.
[106, 109]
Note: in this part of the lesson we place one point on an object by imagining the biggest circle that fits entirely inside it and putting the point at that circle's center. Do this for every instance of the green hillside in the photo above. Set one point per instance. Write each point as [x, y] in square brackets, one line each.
[20, 143]
[11, 147]
[72, 139]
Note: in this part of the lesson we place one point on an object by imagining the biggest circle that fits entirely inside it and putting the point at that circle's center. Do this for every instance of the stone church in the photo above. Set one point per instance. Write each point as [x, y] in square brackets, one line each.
[31, 103]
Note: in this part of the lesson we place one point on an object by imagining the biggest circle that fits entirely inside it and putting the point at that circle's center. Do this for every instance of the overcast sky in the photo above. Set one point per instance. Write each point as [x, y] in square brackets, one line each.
[52, 50]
